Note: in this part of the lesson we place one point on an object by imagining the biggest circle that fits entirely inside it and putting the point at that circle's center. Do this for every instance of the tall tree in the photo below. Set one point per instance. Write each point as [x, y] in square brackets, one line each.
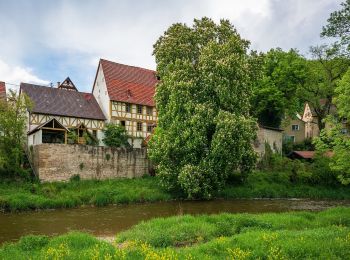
[333, 138]
[324, 70]
[339, 26]
[342, 99]
[275, 94]
[204, 129]
[12, 133]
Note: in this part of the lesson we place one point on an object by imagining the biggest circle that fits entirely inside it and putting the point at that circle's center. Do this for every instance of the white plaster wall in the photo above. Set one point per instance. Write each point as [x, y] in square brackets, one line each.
[35, 138]
[101, 94]
[273, 138]
[100, 136]
[135, 142]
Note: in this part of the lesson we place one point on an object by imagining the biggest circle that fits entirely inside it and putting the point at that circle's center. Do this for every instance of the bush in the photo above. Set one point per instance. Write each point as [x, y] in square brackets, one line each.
[115, 136]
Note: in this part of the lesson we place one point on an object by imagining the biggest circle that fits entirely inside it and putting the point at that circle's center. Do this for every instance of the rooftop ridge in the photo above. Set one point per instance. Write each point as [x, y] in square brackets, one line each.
[132, 66]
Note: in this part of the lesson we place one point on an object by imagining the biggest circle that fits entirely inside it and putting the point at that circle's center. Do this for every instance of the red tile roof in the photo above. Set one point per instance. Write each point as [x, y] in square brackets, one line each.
[2, 89]
[305, 154]
[129, 84]
[311, 154]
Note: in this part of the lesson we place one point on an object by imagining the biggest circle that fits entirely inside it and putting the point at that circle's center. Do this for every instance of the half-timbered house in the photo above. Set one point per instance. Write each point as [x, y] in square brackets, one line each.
[125, 95]
[58, 111]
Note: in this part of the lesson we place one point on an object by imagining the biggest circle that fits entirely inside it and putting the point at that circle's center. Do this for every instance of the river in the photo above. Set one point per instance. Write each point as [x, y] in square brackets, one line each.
[108, 221]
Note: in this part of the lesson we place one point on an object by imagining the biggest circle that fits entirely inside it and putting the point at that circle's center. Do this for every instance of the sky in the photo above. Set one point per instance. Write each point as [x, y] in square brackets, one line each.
[43, 41]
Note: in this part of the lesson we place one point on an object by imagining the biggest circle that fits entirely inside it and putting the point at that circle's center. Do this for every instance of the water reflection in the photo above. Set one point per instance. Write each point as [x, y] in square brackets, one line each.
[107, 221]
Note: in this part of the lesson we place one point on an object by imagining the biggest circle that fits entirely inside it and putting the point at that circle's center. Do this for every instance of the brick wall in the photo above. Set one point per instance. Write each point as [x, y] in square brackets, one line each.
[58, 162]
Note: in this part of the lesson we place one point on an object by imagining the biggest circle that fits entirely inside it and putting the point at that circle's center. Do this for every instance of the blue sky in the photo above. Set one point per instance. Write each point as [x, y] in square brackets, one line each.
[46, 41]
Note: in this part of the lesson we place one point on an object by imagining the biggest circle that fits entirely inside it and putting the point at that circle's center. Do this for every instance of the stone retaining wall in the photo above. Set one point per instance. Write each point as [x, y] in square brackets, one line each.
[58, 162]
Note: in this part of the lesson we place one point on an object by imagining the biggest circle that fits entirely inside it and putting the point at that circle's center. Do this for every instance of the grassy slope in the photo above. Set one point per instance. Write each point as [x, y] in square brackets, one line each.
[323, 235]
[26, 196]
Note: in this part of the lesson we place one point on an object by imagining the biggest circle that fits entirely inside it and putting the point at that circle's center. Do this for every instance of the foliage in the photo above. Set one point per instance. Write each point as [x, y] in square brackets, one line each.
[326, 68]
[115, 135]
[296, 235]
[72, 136]
[332, 139]
[15, 196]
[342, 99]
[339, 26]
[13, 118]
[275, 94]
[288, 146]
[90, 139]
[204, 127]
[311, 181]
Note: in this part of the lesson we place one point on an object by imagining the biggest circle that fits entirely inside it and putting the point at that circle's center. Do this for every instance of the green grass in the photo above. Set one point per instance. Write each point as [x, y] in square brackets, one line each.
[296, 235]
[29, 196]
[277, 185]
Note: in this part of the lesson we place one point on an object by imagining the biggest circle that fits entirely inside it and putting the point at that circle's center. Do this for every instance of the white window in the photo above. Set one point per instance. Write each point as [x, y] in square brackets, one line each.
[295, 128]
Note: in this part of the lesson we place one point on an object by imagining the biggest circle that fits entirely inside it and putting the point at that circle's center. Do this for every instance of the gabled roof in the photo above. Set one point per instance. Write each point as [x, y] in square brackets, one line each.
[68, 84]
[129, 84]
[2, 89]
[47, 122]
[62, 102]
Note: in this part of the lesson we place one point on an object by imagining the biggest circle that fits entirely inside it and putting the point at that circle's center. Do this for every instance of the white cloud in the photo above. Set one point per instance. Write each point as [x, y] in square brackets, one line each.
[14, 75]
[71, 36]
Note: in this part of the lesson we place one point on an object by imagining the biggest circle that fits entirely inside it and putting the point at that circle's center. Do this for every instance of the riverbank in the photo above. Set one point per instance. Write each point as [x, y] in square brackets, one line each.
[31, 196]
[296, 235]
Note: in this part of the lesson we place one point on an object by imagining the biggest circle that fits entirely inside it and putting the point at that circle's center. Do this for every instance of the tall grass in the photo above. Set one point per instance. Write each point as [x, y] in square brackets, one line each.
[26, 196]
[16, 196]
[300, 235]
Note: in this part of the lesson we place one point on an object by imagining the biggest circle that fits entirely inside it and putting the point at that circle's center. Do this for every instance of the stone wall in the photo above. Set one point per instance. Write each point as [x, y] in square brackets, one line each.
[58, 162]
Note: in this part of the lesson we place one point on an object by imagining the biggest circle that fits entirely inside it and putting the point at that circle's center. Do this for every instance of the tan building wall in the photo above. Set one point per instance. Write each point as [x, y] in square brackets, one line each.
[59, 162]
[294, 129]
[270, 136]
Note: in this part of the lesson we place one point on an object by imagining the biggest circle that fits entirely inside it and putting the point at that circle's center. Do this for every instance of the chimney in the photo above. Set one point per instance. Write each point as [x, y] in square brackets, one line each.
[58, 83]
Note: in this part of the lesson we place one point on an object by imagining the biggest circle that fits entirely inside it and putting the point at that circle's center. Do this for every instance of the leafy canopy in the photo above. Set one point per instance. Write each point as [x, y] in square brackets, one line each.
[275, 93]
[204, 129]
[339, 26]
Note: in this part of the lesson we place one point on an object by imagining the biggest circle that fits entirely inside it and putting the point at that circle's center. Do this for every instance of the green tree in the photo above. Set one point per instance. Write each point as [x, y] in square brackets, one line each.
[115, 135]
[338, 26]
[333, 139]
[204, 129]
[324, 70]
[342, 99]
[275, 94]
[12, 134]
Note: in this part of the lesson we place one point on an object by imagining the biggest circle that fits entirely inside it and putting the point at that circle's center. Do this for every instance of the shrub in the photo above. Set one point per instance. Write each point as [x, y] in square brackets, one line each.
[115, 136]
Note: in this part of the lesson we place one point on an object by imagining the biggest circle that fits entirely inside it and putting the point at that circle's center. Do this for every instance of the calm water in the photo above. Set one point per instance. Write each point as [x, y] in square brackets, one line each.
[107, 221]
